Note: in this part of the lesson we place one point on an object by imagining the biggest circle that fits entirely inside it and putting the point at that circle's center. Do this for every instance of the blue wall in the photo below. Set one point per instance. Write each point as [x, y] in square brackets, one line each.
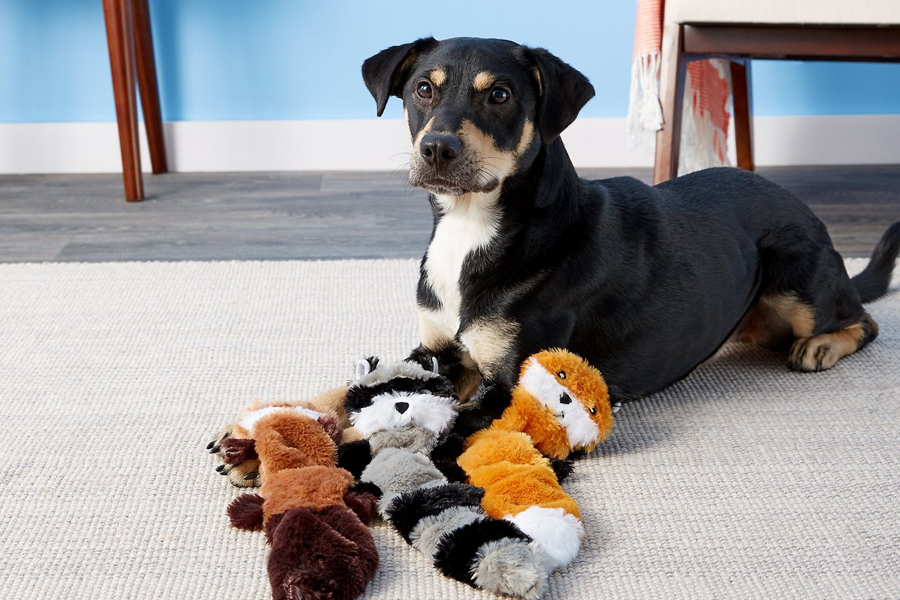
[300, 59]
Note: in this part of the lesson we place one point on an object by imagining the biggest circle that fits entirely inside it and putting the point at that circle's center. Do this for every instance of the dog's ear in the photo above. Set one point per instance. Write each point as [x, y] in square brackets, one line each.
[562, 90]
[386, 72]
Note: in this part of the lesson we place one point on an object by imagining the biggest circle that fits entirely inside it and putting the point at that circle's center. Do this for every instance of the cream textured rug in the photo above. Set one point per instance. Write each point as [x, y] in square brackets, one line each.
[743, 481]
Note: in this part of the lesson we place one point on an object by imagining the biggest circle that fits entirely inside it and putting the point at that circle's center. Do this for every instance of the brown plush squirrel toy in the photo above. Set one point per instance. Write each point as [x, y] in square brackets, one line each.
[320, 547]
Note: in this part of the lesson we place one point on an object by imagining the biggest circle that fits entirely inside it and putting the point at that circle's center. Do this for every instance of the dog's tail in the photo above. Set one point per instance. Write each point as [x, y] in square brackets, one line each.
[873, 282]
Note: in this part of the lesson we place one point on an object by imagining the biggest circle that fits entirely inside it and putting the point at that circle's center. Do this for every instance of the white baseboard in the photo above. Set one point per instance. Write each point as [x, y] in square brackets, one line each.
[383, 144]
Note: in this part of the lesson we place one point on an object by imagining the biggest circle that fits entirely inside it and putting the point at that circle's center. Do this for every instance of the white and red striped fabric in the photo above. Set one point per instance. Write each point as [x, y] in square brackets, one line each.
[704, 138]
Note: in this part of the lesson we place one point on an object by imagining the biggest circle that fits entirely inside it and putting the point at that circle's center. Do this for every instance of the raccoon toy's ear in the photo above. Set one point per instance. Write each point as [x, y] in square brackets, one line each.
[366, 366]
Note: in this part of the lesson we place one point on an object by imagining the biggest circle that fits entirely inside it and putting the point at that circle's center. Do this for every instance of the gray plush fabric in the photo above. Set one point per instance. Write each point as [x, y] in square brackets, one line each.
[409, 437]
[745, 480]
[396, 471]
[426, 535]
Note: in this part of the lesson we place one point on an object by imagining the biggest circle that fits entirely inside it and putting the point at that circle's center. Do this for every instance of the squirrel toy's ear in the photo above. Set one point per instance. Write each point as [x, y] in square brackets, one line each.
[366, 366]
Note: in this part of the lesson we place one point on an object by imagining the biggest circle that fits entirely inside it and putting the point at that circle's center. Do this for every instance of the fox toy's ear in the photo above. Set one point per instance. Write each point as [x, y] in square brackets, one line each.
[563, 91]
[366, 366]
[386, 73]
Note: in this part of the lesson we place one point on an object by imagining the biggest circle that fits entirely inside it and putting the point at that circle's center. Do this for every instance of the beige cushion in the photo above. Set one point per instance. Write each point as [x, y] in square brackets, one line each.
[830, 12]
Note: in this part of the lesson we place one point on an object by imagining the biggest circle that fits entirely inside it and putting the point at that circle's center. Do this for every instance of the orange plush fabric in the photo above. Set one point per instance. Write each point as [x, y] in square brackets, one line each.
[560, 405]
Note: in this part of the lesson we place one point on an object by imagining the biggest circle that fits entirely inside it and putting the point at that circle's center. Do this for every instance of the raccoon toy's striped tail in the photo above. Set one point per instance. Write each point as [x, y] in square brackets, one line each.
[446, 523]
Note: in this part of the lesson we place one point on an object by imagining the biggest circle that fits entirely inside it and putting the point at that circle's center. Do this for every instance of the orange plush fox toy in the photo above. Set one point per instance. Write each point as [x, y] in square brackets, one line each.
[560, 406]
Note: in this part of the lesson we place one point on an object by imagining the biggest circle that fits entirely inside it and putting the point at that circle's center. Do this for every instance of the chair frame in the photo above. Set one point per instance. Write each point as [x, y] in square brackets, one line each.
[684, 42]
[131, 57]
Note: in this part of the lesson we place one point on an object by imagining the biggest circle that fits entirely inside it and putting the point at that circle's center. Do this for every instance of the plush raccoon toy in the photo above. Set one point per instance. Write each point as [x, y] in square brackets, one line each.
[404, 412]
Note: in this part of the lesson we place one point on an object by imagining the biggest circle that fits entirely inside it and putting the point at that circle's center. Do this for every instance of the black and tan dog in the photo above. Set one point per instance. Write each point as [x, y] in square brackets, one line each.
[644, 282]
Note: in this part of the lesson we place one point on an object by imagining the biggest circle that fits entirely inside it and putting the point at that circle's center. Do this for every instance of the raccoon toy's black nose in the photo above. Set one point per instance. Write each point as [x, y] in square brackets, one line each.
[401, 407]
[565, 399]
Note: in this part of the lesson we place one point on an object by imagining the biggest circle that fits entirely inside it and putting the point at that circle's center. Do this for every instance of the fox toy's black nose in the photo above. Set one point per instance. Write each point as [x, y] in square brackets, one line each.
[401, 407]
[440, 150]
[565, 399]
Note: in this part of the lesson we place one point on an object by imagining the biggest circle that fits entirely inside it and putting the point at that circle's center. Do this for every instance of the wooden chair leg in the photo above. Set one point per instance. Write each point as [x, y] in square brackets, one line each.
[117, 14]
[671, 93]
[743, 113]
[147, 84]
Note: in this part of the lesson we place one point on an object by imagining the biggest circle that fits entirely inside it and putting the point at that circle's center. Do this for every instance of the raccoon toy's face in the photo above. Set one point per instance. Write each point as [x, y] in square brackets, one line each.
[573, 396]
[400, 405]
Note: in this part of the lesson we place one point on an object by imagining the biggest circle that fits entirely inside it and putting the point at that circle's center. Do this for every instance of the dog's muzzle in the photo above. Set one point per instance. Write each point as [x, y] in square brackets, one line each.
[442, 166]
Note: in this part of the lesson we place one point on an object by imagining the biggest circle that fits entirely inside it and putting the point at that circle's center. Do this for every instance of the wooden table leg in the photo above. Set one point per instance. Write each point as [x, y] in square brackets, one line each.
[118, 32]
[673, 69]
[743, 113]
[147, 85]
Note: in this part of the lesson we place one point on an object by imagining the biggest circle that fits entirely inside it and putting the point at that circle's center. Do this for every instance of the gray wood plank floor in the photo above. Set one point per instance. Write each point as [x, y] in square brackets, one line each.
[331, 215]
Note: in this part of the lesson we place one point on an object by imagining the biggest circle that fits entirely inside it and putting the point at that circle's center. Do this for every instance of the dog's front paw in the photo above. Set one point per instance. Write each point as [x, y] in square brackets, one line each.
[215, 446]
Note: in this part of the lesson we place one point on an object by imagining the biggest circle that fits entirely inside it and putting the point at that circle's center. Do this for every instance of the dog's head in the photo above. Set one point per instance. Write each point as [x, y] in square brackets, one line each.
[478, 110]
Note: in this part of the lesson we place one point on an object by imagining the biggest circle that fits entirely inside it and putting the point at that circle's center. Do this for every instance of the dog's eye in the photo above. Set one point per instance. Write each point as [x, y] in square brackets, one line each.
[423, 90]
[561, 374]
[593, 410]
[499, 95]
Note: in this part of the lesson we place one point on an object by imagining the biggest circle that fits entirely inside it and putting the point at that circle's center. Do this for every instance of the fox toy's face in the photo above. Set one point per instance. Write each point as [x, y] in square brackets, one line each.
[572, 397]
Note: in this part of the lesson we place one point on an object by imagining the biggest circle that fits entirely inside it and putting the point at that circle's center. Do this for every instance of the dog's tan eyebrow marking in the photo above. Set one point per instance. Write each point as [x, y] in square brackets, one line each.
[483, 81]
[537, 75]
[438, 76]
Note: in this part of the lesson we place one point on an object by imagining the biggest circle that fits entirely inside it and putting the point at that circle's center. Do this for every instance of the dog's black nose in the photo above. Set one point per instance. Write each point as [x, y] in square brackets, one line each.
[439, 150]
[401, 407]
[565, 399]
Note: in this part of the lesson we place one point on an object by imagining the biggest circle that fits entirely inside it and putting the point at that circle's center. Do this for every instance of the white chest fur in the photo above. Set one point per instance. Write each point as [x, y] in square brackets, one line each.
[468, 223]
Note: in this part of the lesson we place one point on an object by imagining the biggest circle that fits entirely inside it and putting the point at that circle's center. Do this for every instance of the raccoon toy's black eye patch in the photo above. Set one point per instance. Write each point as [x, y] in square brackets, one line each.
[360, 396]
[561, 374]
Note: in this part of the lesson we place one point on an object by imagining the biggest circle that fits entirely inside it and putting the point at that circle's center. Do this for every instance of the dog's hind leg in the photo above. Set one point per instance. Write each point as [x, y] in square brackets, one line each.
[821, 352]
[807, 288]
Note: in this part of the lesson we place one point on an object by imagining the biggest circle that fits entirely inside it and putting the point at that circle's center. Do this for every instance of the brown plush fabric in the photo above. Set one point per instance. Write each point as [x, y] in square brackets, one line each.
[288, 440]
[246, 512]
[237, 450]
[309, 487]
[365, 505]
[320, 548]
[332, 426]
[239, 432]
[321, 554]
